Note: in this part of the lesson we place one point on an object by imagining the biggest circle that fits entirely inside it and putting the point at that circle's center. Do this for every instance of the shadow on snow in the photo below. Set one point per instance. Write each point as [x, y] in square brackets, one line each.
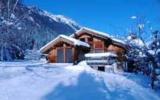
[88, 88]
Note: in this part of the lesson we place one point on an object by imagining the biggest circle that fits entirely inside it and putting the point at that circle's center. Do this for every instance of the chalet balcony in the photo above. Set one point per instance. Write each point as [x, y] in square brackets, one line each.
[104, 61]
[100, 59]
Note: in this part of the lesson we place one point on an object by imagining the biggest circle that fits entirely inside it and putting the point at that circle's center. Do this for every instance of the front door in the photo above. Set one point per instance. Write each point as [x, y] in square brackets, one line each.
[64, 55]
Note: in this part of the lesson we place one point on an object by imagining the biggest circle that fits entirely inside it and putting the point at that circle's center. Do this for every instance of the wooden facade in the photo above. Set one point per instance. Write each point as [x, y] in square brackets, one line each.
[65, 51]
[101, 45]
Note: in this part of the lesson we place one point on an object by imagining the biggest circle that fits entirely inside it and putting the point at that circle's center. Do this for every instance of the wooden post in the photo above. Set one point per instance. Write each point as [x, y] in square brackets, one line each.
[64, 50]
[74, 55]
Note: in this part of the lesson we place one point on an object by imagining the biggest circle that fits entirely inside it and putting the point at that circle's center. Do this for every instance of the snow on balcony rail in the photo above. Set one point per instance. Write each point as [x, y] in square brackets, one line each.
[100, 55]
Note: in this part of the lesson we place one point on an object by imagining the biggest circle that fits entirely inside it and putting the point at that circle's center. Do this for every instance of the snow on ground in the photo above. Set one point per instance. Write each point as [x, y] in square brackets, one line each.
[68, 82]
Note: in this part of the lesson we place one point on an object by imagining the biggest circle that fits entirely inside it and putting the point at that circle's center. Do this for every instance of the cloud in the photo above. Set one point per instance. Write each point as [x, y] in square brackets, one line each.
[133, 17]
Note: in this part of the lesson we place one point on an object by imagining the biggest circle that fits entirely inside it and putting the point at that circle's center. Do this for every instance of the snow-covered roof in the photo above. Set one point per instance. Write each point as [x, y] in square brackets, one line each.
[63, 38]
[91, 31]
[100, 34]
[118, 40]
[99, 55]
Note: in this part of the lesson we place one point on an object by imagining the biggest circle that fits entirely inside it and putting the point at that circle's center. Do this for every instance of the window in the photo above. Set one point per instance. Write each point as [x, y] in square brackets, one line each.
[82, 39]
[98, 44]
[101, 69]
[90, 39]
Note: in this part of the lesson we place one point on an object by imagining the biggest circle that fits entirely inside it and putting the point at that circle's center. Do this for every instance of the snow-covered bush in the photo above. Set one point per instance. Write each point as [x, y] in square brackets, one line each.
[10, 52]
[32, 55]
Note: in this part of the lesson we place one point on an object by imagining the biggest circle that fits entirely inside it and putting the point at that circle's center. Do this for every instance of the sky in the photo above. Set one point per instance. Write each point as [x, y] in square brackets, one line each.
[111, 16]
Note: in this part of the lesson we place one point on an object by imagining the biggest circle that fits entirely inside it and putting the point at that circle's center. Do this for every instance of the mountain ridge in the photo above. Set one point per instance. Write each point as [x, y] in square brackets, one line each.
[29, 28]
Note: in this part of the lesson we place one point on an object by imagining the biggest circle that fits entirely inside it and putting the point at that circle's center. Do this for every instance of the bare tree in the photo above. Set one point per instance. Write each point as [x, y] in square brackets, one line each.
[146, 55]
[8, 24]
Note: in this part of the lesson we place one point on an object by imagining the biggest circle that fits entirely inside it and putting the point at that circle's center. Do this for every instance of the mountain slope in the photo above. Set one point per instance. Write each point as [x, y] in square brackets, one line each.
[24, 28]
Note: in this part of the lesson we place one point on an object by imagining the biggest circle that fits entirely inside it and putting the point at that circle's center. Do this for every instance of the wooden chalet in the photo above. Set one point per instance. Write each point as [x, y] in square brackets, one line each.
[64, 49]
[71, 49]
